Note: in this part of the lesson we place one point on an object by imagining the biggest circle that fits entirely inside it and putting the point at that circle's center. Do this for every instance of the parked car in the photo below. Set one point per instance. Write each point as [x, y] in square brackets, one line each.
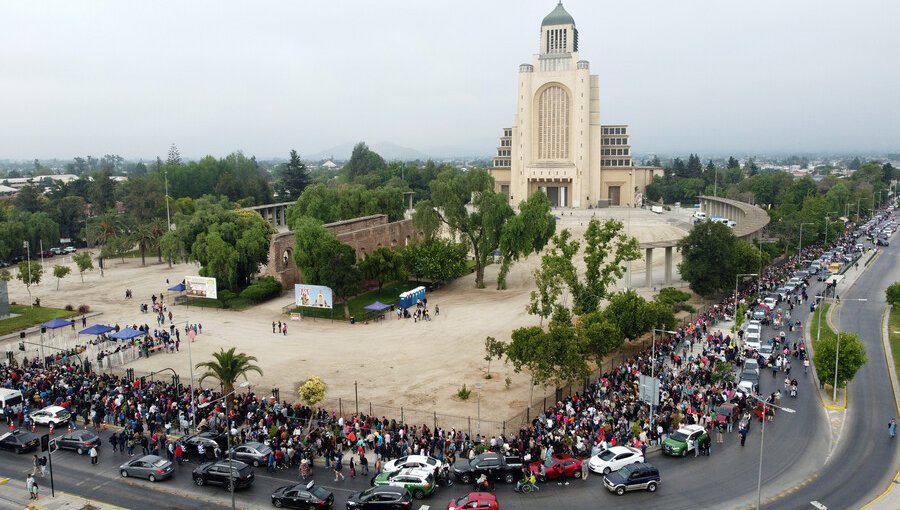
[253, 453]
[51, 414]
[70, 249]
[19, 441]
[229, 474]
[419, 482]
[57, 251]
[47, 254]
[683, 440]
[614, 459]
[770, 302]
[561, 465]
[151, 467]
[211, 441]
[472, 500]
[494, 465]
[412, 461]
[380, 498]
[308, 497]
[79, 440]
[631, 478]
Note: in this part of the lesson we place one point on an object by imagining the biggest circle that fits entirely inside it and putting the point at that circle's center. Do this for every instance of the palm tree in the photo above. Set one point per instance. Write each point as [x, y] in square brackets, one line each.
[158, 228]
[227, 367]
[144, 236]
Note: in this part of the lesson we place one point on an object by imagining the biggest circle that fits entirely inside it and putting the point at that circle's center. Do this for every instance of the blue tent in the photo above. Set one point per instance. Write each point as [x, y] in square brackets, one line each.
[96, 329]
[127, 334]
[178, 288]
[377, 306]
[57, 323]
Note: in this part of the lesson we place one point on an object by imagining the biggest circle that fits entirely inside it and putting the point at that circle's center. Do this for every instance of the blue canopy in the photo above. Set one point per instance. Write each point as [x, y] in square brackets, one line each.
[178, 288]
[96, 329]
[57, 323]
[127, 334]
[377, 306]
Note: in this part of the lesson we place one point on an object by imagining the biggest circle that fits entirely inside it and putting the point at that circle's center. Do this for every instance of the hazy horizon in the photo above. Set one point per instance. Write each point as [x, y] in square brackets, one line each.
[107, 77]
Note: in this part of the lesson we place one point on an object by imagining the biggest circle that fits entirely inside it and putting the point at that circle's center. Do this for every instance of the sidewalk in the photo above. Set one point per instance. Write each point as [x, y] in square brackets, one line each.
[13, 496]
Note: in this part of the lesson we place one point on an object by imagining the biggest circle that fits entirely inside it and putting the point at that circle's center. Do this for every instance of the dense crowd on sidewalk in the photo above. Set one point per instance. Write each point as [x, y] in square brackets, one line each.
[607, 413]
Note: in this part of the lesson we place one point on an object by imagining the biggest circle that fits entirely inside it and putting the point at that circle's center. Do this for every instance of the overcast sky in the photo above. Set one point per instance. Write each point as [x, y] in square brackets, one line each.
[130, 78]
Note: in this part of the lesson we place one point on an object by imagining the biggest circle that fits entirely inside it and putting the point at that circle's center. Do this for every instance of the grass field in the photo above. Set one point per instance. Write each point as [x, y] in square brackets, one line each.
[29, 316]
[894, 335]
[388, 295]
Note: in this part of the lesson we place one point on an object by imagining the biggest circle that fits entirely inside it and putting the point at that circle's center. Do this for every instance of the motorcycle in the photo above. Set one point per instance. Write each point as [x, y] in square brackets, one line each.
[485, 486]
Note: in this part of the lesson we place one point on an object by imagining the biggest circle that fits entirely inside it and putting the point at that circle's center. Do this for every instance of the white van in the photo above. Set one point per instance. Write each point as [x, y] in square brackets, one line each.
[699, 216]
[10, 398]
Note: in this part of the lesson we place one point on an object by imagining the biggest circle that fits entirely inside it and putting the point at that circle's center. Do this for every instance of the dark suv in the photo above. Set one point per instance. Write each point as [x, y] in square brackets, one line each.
[631, 478]
[220, 473]
[494, 465]
[213, 444]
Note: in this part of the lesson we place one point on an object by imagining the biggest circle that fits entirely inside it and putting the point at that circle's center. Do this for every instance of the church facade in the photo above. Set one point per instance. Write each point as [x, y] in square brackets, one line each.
[558, 144]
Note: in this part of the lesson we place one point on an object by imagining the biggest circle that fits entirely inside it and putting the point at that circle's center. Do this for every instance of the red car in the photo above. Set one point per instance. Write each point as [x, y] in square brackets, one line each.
[561, 465]
[479, 500]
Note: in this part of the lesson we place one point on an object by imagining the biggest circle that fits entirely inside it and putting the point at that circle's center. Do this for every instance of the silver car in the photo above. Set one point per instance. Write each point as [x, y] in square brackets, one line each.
[151, 467]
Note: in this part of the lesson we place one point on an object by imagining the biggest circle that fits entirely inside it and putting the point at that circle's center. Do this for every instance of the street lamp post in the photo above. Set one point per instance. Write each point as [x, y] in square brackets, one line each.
[230, 431]
[762, 439]
[168, 218]
[827, 215]
[837, 352]
[737, 278]
[800, 248]
[478, 388]
[653, 369]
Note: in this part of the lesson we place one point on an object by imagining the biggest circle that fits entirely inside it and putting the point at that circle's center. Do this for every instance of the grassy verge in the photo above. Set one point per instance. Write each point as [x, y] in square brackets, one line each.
[31, 317]
[389, 295]
[826, 329]
[894, 336]
[231, 304]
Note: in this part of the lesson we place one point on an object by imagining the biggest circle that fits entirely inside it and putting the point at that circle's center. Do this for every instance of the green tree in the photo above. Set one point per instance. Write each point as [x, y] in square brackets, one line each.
[852, 357]
[525, 233]
[28, 198]
[493, 348]
[634, 315]
[84, 262]
[312, 391]
[143, 235]
[30, 274]
[383, 265]
[552, 356]
[293, 178]
[171, 247]
[363, 161]
[544, 298]
[892, 294]
[436, 260]
[70, 216]
[452, 197]
[323, 260]
[599, 335]
[60, 272]
[227, 367]
[712, 256]
[5, 275]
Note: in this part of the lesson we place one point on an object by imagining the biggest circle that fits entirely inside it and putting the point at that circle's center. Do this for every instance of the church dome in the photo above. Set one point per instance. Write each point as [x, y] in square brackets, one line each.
[559, 16]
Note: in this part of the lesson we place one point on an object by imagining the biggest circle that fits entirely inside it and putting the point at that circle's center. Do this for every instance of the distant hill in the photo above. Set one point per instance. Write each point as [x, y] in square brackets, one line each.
[387, 150]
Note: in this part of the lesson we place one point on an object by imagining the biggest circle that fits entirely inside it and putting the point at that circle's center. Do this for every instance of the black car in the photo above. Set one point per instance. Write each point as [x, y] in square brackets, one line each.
[882, 242]
[220, 473]
[19, 441]
[253, 453]
[212, 442]
[380, 498]
[309, 496]
[631, 478]
[79, 440]
[494, 465]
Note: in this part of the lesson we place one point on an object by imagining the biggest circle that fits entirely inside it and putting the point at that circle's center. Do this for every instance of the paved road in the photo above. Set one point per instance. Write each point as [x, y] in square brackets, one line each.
[865, 460]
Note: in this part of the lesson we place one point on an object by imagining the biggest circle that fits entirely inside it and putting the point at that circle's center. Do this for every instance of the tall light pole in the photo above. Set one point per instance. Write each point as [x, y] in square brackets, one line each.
[872, 198]
[762, 439]
[827, 216]
[168, 218]
[737, 278]
[28, 263]
[837, 351]
[478, 388]
[800, 249]
[653, 370]
[231, 433]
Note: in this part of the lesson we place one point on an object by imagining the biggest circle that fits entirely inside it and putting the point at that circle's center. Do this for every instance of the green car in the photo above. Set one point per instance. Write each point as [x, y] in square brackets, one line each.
[685, 439]
[419, 482]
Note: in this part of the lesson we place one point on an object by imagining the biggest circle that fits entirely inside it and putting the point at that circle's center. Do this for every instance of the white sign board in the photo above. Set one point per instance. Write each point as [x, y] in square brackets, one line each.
[648, 389]
[200, 287]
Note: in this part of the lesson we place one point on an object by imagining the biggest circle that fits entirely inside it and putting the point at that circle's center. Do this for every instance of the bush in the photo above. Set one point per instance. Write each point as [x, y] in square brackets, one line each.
[69, 308]
[892, 294]
[262, 290]
[464, 393]
[82, 309]
[225, 296]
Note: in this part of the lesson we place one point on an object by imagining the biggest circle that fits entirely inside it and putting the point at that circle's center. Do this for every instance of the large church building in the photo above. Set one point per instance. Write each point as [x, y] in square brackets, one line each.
[558, 144]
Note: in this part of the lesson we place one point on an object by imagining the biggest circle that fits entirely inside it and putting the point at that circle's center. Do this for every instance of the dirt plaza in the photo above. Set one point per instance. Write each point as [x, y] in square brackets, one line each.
[416, 365]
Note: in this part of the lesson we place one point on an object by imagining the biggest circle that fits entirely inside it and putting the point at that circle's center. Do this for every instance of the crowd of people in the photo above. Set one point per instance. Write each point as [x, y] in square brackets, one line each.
[609, 412]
